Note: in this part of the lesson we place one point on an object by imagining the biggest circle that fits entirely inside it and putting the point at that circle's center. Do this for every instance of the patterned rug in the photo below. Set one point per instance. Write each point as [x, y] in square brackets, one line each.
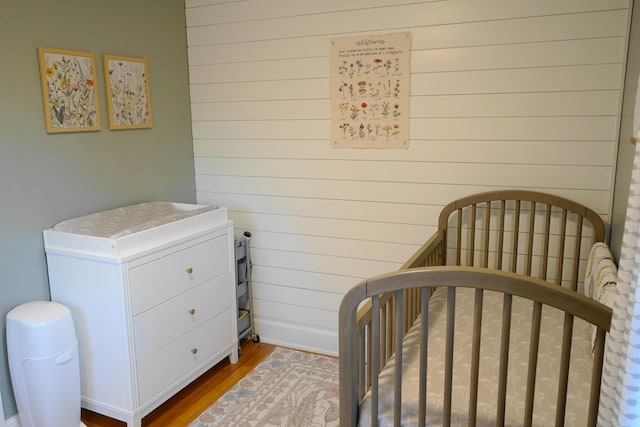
[289, 388]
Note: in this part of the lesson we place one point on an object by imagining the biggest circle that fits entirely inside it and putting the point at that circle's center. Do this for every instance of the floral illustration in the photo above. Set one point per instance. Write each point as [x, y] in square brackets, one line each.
[374, 108]
[362, 88]
[343, 89]
[364, 106]
[344, 106]
[387, 129]
[387, 67]
[370, 133]
[354, 112]
[345, 128]
[374, 91]
[351, 92]
[396, 111]
[361, 131]
[128, 100]
[69, 90]
[385, 109]
[342, 69]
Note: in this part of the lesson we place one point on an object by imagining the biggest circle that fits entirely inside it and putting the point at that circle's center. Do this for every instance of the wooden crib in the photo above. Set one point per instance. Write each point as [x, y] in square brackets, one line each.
[520, 245]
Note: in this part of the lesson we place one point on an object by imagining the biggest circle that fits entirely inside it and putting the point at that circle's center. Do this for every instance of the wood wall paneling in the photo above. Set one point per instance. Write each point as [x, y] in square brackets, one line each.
[503, 95]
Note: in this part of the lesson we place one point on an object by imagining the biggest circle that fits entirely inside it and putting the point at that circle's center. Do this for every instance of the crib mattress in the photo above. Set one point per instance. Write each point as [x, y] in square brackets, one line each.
[547, 372]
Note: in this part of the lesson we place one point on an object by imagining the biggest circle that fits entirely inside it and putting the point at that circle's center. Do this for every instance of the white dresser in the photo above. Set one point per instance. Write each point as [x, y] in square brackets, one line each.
[152, 292]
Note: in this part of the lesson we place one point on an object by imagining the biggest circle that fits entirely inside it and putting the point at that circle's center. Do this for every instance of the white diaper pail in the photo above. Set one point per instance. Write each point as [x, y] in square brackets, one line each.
[43, 363]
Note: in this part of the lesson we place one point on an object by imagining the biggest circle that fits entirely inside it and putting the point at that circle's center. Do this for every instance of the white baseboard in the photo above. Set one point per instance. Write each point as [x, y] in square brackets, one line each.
[298, 337]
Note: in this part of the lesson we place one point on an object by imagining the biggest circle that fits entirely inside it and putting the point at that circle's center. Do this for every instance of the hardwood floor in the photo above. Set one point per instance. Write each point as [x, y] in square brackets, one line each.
[191, 401]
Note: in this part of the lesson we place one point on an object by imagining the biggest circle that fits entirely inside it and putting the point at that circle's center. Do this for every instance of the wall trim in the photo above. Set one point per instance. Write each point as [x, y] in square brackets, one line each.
[298, 337]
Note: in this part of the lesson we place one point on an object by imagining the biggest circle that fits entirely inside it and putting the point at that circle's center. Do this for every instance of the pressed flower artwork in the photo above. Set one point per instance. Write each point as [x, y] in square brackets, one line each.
[69, 91]
[128, 94]
[369, 80]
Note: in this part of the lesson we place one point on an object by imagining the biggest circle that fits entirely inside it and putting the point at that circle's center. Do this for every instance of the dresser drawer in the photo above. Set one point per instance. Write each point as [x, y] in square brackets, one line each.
[167, 365]
[164, 323]
[163, 278]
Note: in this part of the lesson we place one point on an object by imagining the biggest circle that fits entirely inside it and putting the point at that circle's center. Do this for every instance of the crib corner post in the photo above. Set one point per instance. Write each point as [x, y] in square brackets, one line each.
[348, 372]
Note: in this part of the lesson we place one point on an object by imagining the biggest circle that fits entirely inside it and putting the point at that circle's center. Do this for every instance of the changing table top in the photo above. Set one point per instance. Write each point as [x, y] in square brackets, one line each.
[126, 220]
[127, 231]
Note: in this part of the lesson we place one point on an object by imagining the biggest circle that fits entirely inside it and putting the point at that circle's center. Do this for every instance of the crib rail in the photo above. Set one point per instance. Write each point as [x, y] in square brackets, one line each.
[429, 254]
[424, 280]
[530, 233]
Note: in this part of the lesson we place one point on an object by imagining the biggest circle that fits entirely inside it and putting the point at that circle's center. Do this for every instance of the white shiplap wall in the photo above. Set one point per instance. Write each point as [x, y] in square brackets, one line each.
[504, 94]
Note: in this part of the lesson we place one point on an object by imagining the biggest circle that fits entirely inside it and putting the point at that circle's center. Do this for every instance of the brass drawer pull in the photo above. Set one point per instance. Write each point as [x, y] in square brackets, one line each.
[192, 311]
[189, 270]
[194, 350]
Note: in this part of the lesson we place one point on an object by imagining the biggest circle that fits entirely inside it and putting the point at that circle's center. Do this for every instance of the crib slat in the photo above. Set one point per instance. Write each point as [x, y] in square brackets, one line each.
[516, 234]
[389, 331]
[397, 396]
[504, 358]
[475, 356]
[533, 363]
[472, 236]
[435, 257]
[576, 257]
[531, 233]
[563, 236]
[547, 233]
[416, 305]
[374, 360]
[596, 377]
[563, 380]
[422, 404]
[364, 356]
[487, 229]
[384, 336]
[501, 234]
[448, 364]
[459, 239]
[413, 304]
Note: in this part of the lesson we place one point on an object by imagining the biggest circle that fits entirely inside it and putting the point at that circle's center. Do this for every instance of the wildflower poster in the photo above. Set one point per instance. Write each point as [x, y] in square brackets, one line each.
[69, 95]
[369, 80]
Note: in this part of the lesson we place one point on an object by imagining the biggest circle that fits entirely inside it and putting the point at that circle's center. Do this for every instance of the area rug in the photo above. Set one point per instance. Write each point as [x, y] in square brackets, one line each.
[288, 388]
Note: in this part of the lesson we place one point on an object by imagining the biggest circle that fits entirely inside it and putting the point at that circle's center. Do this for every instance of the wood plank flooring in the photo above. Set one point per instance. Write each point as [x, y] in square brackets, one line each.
[191, 401]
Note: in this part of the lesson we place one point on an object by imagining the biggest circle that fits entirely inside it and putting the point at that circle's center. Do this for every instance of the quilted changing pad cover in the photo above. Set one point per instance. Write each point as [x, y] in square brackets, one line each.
[127, 220]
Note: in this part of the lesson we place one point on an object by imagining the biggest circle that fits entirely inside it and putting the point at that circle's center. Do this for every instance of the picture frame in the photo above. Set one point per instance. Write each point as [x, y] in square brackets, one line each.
[128, 92]
[69, 90]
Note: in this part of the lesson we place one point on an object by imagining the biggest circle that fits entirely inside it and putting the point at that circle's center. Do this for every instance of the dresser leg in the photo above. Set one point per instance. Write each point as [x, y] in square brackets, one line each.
[136, 421]
[233, 356]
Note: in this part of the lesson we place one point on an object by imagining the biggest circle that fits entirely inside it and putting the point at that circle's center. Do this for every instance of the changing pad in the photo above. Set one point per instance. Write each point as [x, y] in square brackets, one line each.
[123, 221]
[121, 233]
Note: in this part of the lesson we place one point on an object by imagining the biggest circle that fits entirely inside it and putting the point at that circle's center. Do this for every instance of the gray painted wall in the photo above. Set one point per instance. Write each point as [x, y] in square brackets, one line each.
[47, 178]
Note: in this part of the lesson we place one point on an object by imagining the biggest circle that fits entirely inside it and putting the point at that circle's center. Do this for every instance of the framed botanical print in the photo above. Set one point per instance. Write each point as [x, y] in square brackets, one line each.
[69, 92]
[128, 93]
